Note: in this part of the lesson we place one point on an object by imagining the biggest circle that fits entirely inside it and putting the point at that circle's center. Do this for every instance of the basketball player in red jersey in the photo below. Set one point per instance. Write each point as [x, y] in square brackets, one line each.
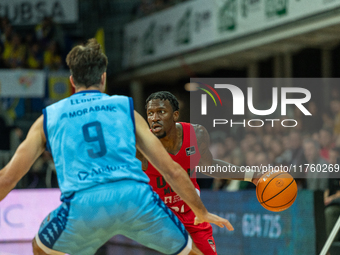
[162, 114]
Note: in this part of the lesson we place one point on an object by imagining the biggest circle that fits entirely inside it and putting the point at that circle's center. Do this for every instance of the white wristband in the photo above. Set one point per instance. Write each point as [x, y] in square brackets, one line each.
[248, 176]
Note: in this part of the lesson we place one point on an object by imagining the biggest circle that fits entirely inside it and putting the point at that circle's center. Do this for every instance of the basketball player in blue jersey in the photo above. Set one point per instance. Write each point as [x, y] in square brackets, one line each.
[93, 139]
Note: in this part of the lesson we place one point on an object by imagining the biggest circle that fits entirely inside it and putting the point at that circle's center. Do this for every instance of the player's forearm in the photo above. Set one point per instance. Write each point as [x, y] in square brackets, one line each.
[18, 166]
[9, 177]
[228, 171]
[6, 184]
[224, 170]
[182, 185]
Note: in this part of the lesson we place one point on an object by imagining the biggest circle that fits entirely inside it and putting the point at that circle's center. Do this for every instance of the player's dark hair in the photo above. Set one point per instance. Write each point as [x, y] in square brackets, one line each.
[164, 95]
[87, 63]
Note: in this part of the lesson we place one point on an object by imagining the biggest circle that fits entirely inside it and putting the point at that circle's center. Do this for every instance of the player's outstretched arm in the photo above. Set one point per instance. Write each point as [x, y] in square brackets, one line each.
[207, 162]
[28, 151]
[173, 173]
[235, 172]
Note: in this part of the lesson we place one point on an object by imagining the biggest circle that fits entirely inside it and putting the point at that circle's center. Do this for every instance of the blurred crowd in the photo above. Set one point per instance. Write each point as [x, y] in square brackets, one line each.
[315, 140]
[37, 48]
[146, 7]
[42, 48]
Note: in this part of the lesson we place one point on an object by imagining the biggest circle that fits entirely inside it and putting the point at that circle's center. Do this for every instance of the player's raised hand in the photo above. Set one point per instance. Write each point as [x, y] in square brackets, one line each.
[212, 218]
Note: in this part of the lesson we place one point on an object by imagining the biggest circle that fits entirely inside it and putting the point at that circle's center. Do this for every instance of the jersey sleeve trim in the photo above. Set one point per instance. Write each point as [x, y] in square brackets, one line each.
[48, 146]
[132, 114]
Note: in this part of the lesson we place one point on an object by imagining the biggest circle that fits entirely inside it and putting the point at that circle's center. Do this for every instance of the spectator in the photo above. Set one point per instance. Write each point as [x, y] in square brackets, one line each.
[6, 31]
[294, 155]
[335, 109]
[42, 173]
[250, 158]
[326, 142]
[2, 48]
[327, 119]
[34, 57]
[218, 147]
[52, 57]
[276, 148]
[312, 123]
[316, 137]
[262, 159]
[298, 116]
[6, 132]
[14, 53]
[3, 23]
[268, 129]
[233, 150]
[30, 39]
[47, 31]
[285, 142]
[315, 180]
[332, 196]
[335, 93]
[267, 140]
[249, 141]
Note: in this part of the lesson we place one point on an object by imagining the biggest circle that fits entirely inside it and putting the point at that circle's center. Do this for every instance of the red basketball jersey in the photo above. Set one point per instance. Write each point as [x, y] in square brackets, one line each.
[187, 156]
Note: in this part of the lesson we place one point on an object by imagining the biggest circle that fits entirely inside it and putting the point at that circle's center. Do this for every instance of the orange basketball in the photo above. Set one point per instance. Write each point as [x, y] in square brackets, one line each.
[276, 191]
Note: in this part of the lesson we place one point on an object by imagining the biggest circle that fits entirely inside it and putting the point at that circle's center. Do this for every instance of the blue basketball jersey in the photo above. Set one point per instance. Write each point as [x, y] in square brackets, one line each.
[92, 140]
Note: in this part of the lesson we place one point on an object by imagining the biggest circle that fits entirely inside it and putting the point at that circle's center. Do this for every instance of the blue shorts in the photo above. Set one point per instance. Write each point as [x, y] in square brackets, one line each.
[87, 220]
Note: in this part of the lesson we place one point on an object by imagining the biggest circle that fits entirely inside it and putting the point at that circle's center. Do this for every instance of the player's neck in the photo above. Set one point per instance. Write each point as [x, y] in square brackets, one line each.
[172, 142]
[79, 89]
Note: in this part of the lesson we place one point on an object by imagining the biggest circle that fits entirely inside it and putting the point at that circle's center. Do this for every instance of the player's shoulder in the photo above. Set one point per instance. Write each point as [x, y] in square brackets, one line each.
[199, 129]
[195, 126]
[59, 103]
[119, 96]
[186, 125]
[120, 99]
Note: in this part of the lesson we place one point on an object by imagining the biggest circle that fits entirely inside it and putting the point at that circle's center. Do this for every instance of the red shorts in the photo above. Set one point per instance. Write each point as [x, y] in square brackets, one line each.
[201, 234]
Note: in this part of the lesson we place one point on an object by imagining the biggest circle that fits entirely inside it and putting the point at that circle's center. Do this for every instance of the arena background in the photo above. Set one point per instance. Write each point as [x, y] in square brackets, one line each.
[155, 45]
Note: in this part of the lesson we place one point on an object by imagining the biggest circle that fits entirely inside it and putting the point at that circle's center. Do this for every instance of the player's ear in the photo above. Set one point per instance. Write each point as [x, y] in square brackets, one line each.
[175, 115]
[103, 81]
[103, 78]
[72, 81]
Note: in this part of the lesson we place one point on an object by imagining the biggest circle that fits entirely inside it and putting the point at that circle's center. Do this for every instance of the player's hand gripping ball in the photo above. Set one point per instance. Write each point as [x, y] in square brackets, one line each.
[276, 191]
